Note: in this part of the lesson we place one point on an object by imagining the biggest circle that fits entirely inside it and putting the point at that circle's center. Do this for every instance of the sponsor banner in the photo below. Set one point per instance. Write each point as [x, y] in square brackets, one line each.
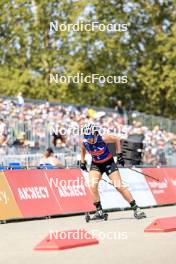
[137, 185]
[163, 191]
[36, 193]
[32, 193]
[8, 206]
[70, 189]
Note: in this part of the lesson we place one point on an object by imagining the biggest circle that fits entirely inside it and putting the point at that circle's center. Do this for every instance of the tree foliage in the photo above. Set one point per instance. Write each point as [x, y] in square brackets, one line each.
[29, 52]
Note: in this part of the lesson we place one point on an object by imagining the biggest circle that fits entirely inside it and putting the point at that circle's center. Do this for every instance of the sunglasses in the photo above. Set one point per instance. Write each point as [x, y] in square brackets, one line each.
[88, 136]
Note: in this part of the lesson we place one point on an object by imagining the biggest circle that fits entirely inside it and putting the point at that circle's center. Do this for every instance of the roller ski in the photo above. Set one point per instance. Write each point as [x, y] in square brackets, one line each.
[138, 214]
[99, 215]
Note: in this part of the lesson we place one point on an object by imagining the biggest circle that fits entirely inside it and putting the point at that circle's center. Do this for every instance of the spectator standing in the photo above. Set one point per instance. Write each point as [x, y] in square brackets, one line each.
[119, 108]
[3, 132]
[20, 99]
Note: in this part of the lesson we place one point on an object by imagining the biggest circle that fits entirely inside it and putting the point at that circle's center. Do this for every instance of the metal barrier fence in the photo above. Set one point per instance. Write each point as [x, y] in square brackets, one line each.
[33, 160]
[146, 119]
[68, 159]
[151, 121]
[38, 136]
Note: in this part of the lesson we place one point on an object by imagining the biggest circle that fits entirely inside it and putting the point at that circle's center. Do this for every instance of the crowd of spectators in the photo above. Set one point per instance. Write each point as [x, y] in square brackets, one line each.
[33, 126]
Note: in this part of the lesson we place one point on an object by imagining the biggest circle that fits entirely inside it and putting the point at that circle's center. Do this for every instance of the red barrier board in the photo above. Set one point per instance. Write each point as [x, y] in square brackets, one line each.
[167, 224]
[70, 190]
[49, 192]
[32, 193]
[164, 190]
[71, 239]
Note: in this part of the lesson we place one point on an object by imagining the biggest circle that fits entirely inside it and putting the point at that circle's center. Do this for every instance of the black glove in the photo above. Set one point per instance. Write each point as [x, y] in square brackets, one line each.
[83, 166]
[120, 159]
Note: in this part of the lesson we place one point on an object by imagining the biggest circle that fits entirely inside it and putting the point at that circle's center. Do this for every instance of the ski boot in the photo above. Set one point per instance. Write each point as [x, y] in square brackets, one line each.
[99, 215]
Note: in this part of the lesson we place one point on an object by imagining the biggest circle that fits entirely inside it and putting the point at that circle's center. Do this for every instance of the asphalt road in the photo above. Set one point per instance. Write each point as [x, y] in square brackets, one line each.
[127, 244]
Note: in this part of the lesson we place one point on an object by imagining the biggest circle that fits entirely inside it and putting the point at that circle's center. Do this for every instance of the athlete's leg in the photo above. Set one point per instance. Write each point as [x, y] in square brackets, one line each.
[94, 178]
[117, 182]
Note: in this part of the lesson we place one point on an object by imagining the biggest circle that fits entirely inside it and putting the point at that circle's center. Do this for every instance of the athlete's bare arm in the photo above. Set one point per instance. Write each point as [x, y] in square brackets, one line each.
[113, 139]
[83, 153]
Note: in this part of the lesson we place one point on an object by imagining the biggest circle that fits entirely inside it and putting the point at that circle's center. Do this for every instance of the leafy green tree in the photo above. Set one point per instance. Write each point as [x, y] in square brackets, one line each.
[30, 52]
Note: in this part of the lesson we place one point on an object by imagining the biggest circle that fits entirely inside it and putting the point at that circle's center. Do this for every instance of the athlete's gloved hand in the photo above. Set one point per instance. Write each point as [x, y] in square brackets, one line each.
[83, 166]
[120, 159]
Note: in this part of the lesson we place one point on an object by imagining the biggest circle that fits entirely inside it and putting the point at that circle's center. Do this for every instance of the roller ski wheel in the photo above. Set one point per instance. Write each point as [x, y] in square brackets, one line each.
[88, 218]
[105, 217]
[138, 214]
[3, 222]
